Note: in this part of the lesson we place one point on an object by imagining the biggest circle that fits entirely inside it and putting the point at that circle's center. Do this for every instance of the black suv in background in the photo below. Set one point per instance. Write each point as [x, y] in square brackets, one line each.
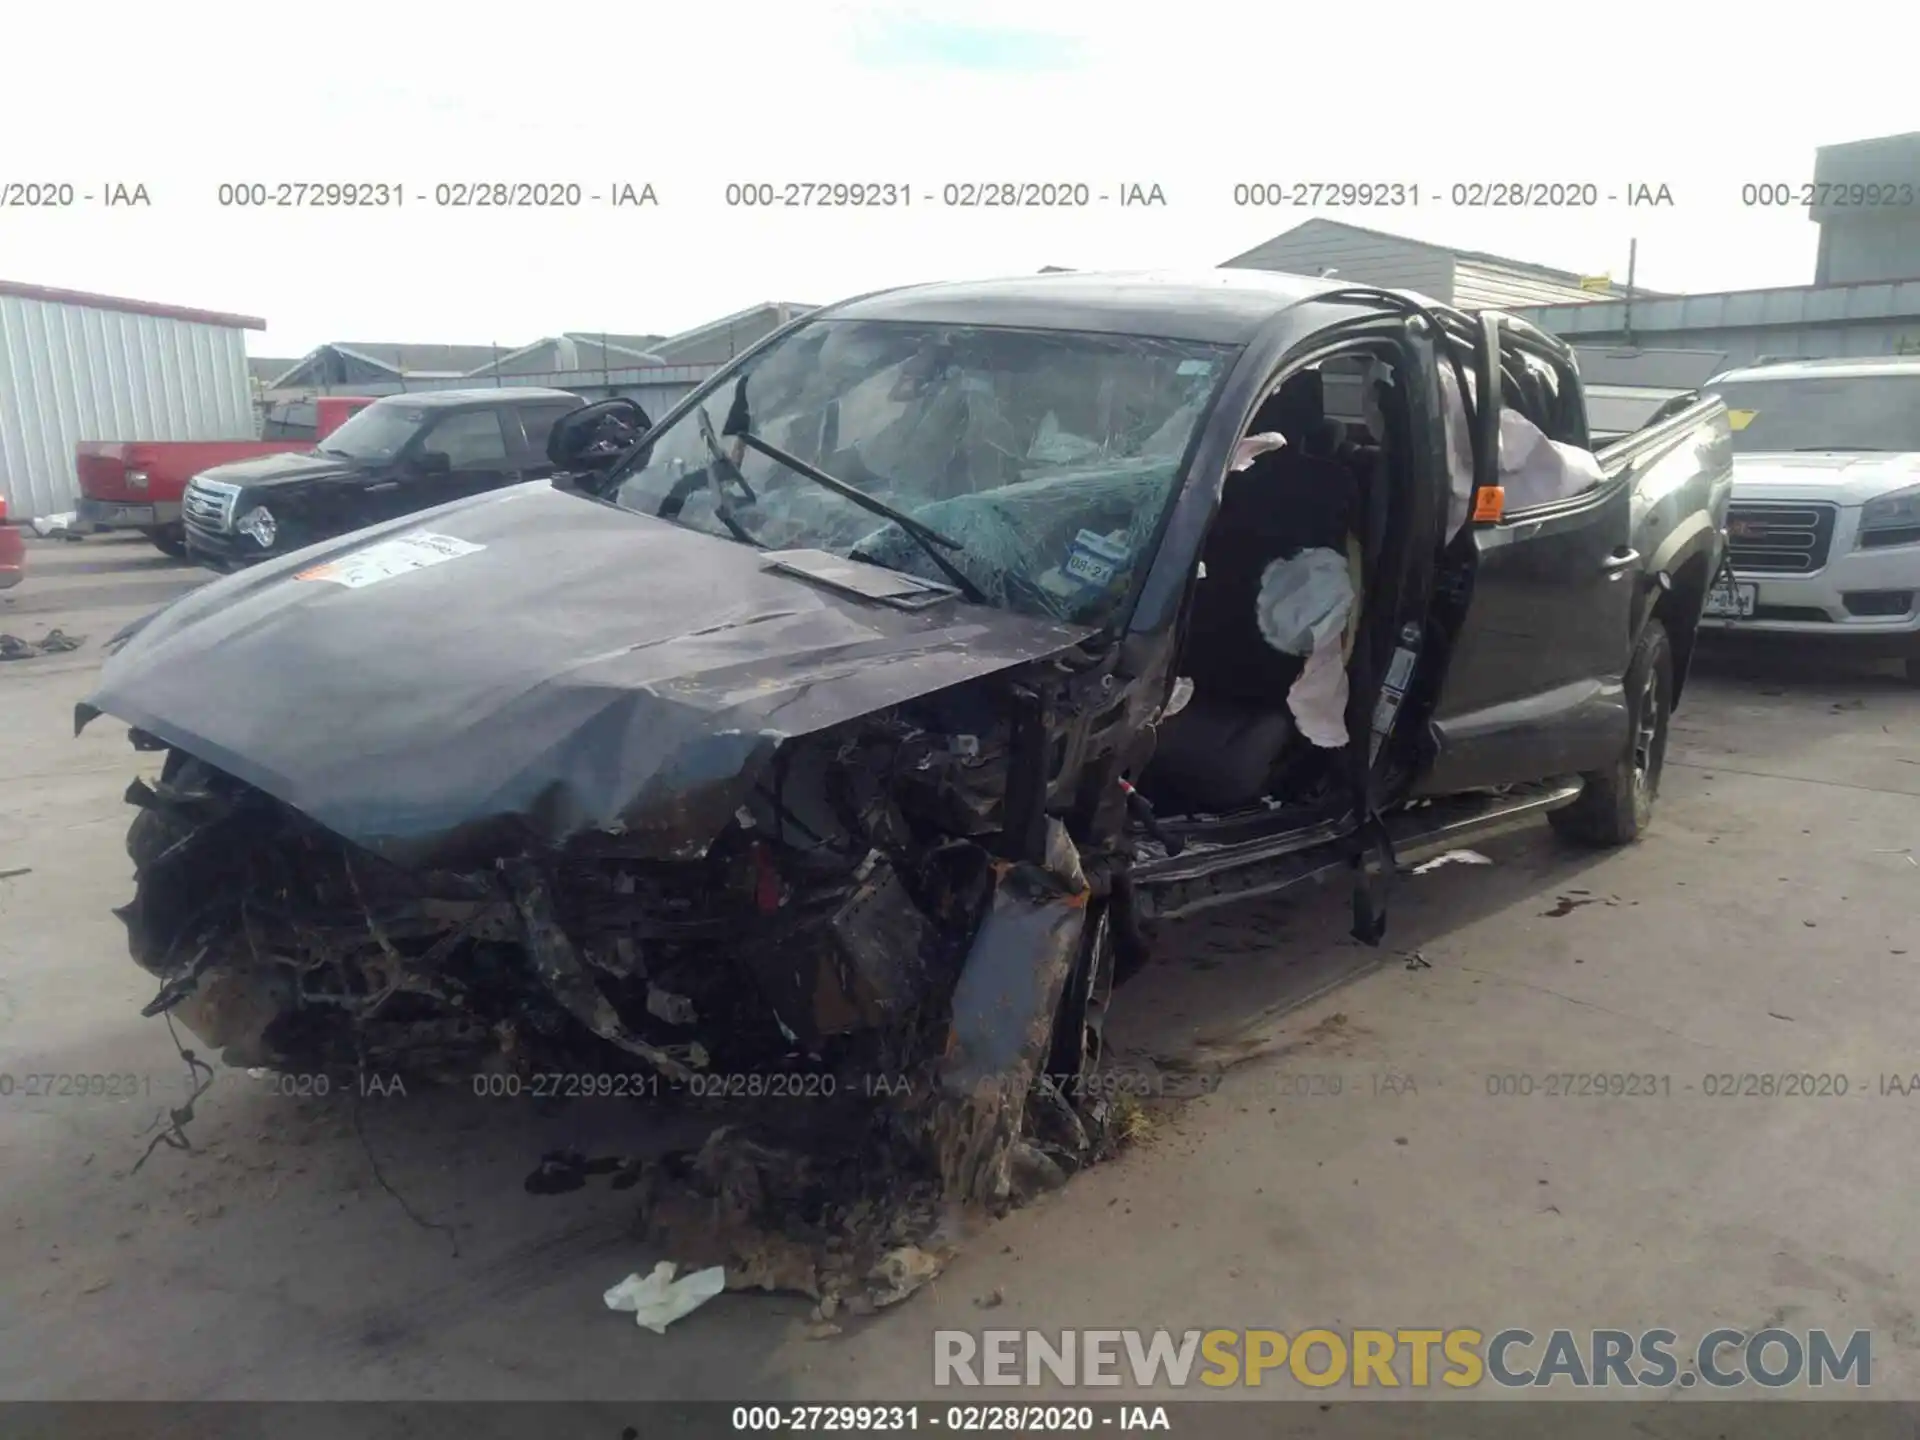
[399, 455]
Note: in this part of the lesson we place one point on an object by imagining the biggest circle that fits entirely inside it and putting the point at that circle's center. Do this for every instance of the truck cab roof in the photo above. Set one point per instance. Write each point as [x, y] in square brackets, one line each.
[1212, 306]
[487, 395]
[1852, 367]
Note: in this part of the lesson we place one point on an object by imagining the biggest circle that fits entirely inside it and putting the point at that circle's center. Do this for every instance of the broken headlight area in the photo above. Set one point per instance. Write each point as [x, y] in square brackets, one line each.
[853, 924]
[281, 945]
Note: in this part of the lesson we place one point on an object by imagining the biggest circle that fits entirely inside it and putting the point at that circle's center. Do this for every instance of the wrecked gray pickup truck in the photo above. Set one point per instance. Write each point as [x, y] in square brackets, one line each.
[864, 714]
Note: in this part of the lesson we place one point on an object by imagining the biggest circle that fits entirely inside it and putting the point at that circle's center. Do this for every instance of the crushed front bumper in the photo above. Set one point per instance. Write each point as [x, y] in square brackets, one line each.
[928, 975]
[225, 553]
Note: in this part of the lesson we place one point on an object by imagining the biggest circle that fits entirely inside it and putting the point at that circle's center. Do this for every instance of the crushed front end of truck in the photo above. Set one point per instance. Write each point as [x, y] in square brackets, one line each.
[753, 775]
[739, 888]
[814, 947]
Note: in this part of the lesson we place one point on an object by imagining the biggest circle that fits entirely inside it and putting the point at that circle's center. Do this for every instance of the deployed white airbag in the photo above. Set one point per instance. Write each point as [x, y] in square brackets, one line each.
[1303, 606]
[1533, 469]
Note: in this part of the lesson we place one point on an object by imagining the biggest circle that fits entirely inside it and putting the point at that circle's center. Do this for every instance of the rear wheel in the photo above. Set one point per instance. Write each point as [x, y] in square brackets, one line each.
[1617, 804]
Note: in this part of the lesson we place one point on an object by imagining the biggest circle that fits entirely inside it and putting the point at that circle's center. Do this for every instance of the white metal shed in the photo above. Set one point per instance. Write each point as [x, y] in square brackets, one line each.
[77, 367]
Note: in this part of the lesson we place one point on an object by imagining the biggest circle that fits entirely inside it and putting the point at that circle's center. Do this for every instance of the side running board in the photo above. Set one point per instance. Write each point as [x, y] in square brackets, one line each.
[1230, 874]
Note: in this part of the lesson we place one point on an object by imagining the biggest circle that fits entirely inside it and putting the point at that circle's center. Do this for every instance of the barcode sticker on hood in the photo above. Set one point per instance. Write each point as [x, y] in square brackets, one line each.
[413, 551]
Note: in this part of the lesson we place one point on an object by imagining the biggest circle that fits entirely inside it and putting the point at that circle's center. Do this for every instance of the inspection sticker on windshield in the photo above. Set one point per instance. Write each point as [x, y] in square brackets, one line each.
[405, 553]
[1095, 559]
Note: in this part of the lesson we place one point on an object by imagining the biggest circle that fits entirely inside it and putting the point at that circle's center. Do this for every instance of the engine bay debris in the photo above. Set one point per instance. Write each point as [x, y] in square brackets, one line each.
[853, 981]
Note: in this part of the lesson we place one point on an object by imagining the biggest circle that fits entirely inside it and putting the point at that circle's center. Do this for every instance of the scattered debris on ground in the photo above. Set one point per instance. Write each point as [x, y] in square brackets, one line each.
[842, 1206]
[54, 642]
[656, 1300]
[58, 527]
[1452, 857]
[1574, 899]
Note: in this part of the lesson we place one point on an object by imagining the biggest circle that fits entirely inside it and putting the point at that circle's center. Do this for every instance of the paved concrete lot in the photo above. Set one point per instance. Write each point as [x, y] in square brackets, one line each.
[1765, 926]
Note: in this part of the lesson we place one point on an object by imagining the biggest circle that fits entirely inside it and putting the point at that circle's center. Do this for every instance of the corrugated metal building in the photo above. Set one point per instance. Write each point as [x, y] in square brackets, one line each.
[720, 340]
[656, 387]
[576, 350]
[1865, 299]
[1471, 279]
[79, 367]
[265, 370]
[657, 371]
[1817, 322]
[355, 362]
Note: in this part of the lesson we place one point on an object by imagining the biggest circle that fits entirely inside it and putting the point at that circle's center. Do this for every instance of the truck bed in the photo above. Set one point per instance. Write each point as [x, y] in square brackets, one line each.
[105, 465]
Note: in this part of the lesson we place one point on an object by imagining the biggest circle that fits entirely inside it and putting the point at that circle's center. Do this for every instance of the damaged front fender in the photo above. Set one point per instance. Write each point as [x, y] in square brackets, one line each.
[1003, 1016]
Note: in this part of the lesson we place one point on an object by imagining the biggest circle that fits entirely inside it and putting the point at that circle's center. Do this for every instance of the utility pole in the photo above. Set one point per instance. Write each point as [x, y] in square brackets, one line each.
[1633, 254]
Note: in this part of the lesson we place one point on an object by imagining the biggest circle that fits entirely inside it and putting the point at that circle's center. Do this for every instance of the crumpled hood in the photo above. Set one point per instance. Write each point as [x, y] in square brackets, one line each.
[1835, 476]
[566, 667]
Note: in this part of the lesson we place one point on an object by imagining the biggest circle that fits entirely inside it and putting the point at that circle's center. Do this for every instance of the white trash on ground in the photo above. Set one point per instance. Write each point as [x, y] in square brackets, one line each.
[1453, 857]
[1303, 607]
[657, 1300]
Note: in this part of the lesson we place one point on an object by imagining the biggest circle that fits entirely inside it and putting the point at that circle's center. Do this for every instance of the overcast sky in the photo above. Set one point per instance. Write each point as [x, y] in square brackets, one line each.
[1193, 96]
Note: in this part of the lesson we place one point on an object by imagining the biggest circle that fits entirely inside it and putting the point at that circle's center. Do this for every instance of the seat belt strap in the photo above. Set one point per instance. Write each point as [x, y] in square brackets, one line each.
[1373, 858]
[1374, 867]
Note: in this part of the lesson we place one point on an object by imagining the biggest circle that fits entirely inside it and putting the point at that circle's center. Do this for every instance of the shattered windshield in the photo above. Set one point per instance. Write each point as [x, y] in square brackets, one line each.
[1046, 457]
[376, 433]
[1841, 412]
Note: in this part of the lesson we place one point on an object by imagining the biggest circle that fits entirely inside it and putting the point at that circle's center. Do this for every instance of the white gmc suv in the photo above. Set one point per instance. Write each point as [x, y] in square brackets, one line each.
[1824, 529]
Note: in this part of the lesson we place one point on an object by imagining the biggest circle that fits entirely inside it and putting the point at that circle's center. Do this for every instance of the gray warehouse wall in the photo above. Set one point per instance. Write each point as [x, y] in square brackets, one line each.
[1742, 346]
[1861, 240]
[1859, 248]
[1882, 319]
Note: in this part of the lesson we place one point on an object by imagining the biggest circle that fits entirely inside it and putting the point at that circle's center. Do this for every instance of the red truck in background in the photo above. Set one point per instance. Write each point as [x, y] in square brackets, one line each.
[13, 551]
[137, 484]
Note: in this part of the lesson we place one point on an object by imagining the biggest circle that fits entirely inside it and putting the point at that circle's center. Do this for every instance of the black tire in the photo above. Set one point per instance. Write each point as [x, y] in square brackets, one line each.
[1913, 668]
[1617, 804]
[171, 543]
